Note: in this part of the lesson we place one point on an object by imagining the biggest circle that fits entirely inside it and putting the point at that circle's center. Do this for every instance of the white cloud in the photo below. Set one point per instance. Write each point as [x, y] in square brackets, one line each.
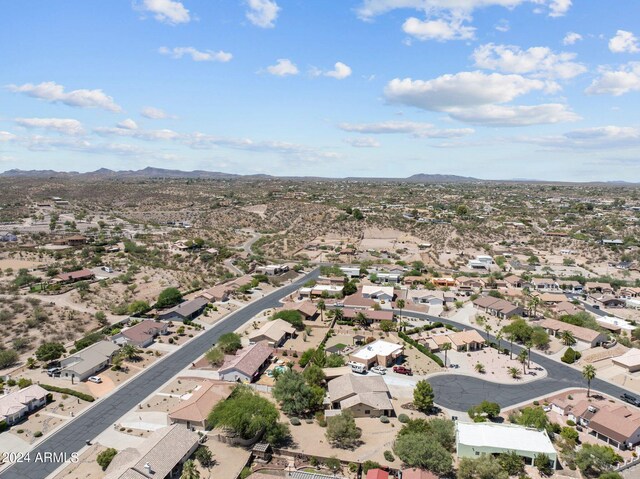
[263, 13]
[520, 115]
[617, 82]
[503, 26]
[464, 89]
[602, 137]
[129, 128]
[166, 11]
[540, 62]
[66, 126]
[128, 124]
[439, 29]
[196, 55]
[339, 72]
[365, 142]
[154, 113]
[624, 42]
[559, 8]
[416, 129]
[54, 93]
[283, 67]
[372, 8]
[571, 38]
[6, 136]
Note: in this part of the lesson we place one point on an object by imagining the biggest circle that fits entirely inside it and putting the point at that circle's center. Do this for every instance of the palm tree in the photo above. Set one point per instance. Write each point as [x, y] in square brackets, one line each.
[510, 337]
[400, 305]
[361, 319]
[529, 345]
[522, 357]
[189, 470]
[499, 338]
[338, 314]
[589, 373]
[445, 347]
[515, 372]
[534, 302]
[129, 352]
[567, 338]
[322, 307]
[487, 329]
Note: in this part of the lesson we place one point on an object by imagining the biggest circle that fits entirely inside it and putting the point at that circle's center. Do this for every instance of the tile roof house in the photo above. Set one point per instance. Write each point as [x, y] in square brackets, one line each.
[185, 311]
[615, 424]
[497, 307]
[586, 335]
[629, 360]
[306, 308]
[16, 405]
[247, 364]
[74, 276]
[364, 396]
[193, 412]
[377, 474]
[159, 456]
[567, 308]
[274, 332]
[470, 340]
[513, 281]
[88, 361]
[141, 334]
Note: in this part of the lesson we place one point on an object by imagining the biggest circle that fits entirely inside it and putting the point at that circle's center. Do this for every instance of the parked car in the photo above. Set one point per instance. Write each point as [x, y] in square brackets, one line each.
[630, 399]
[106, 269]
[94, 379]
[379, 370]
[54, 372]
[402, 370]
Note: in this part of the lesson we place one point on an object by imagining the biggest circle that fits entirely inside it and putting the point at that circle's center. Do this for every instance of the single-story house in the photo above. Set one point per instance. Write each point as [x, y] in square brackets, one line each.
[247, 364]
[357, 301]
[377, 474]
[351, 271]
[566, 308]
[388, 278]
[305, 308]
[160, 455]
[186, 311]
[545, 284]
[615, 424]
[431, 298]
[275, 333]
[598, 287]
[552, 298]
[465, 283]
[378, 293]
[609, 301]
[513, 281]
[272, 269]
[379, 352]
[193, 412]
[142, 334]
[75, 276]
[571, 286]
[88, 361]
[629, 360]
[586, 335]
[470, 340]
[16, 405]
[498, 307]
[447, 281]
[364, 396]
[475, 439]
[320, 290]
[219, 292]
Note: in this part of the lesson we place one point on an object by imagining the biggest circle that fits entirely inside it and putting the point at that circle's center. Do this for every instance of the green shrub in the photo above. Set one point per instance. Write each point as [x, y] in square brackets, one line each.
[384, 419]
[295, 421]
[3, 425]
[571, 422]
[105, 457]
[403, 418]
[388, 456]
[37, 434]
[70, 392]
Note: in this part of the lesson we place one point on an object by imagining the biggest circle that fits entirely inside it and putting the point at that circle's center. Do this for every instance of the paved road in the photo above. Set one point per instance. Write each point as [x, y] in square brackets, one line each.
[460, 392]
[105, 413]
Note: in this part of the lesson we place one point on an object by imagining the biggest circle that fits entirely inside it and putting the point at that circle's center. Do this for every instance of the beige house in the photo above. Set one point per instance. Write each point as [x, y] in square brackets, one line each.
[586, 335]
[364, 396]
[380, 352]
[88, 361]
[275, 333]
[470, 340]
[159, 456]
[193, 412]
[16, 405]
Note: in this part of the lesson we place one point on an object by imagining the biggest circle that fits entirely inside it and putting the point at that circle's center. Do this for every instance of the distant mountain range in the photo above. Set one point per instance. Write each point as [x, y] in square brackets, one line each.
[151, 172]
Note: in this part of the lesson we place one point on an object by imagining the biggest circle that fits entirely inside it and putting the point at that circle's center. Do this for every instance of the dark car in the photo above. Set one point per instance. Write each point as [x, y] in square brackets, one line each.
[630, 399]
[402, 370]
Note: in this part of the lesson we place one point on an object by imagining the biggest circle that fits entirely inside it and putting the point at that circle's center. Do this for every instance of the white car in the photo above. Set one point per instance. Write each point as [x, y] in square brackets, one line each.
[379, 370]
[94, 379]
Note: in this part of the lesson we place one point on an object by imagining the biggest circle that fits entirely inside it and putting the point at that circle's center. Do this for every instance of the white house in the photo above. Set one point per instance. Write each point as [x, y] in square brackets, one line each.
[379, 293]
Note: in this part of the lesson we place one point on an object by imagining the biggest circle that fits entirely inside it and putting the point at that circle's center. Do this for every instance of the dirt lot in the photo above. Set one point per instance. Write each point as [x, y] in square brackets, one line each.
[86, 467]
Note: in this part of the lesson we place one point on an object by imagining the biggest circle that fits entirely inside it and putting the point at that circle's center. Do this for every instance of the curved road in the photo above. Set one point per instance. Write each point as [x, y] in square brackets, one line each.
[71, 437]
[460, 392]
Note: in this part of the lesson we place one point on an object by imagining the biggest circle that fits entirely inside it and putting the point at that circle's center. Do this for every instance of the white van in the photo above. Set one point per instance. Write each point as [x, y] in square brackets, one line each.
[357, 367]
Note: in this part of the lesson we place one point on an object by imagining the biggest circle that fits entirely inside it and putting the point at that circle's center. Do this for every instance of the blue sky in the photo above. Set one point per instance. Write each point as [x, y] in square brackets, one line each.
[496, 89]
